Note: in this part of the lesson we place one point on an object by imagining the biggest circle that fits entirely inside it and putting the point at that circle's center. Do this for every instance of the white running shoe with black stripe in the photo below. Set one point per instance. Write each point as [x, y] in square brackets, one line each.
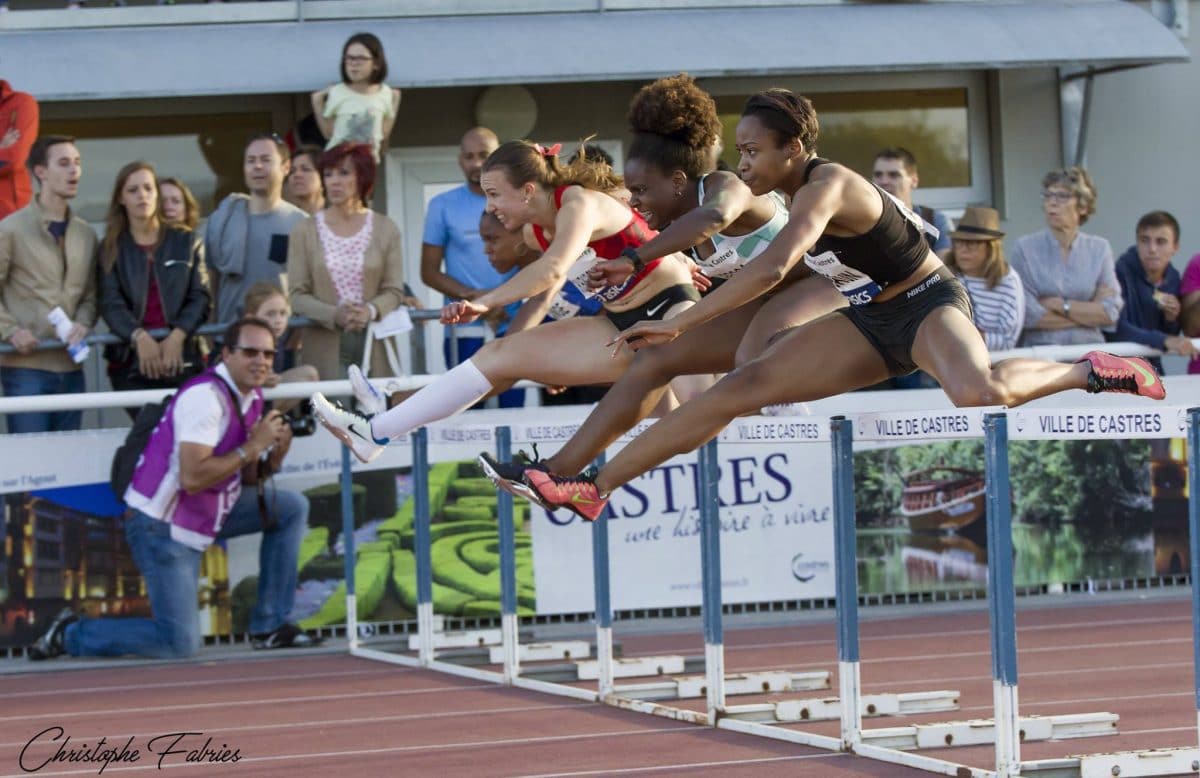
[350, 427]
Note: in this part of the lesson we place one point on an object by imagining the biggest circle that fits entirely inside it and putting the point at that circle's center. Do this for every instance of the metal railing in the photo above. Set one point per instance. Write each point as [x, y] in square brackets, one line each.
[419, 318]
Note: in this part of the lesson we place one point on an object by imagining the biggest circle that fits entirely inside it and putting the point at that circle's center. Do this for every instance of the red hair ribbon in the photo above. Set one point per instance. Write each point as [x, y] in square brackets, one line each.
[552, 151]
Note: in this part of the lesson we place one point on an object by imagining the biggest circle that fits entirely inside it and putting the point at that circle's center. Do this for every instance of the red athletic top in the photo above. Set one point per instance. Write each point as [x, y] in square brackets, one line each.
[633, 235]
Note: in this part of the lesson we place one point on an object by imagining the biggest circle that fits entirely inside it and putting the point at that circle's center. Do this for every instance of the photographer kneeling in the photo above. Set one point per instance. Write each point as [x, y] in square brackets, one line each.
[185, 493]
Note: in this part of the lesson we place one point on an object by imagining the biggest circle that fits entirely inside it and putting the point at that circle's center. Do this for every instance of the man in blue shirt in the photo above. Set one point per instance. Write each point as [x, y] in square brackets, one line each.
[452, 238]
[1150, 287]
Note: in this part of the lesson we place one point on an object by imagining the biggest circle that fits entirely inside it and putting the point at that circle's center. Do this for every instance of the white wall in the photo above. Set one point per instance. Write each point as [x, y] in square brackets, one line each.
[1141, 148]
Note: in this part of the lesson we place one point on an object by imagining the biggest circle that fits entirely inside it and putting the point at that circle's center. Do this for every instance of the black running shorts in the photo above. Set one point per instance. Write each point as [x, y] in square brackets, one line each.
[891, 326]
[654, 308]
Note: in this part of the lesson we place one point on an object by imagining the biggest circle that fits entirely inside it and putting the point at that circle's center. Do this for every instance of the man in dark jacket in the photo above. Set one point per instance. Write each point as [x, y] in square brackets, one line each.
[1150, 288]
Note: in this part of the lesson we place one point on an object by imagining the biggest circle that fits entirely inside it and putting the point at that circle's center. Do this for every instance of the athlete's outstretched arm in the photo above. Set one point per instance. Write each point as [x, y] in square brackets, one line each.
[726, 198]
[532, 311]
[812, 209]
[574, 224]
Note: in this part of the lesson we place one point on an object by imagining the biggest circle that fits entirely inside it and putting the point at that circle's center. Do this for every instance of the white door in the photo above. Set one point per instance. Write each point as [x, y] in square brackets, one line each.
[415, 176]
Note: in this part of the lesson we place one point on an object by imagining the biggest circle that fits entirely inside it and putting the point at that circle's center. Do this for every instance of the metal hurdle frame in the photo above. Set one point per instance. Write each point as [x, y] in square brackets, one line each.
[1126, 764]
[1006, 729]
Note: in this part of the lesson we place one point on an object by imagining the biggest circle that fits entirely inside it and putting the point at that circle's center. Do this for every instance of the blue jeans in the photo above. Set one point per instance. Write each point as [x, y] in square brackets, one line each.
[171, 571]
[513, 398]
[29, 381]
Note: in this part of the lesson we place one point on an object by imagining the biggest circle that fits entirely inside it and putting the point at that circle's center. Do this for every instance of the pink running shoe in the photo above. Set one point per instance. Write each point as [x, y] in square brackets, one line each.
[1123, 374]
[578, 494]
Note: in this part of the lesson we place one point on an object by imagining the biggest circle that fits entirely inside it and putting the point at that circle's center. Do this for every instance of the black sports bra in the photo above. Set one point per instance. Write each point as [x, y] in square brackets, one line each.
[862, 266]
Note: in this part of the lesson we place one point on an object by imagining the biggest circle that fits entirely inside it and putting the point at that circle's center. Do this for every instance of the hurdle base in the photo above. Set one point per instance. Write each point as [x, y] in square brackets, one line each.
[977, 732]
[471, 638]
[830, 708]
[655, 709]
[690, 687]
[544, 652]
[632, 667]
[1127, 764]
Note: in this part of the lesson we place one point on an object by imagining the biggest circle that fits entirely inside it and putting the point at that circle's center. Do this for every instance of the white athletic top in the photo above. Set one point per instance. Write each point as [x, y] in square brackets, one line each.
[733, 252]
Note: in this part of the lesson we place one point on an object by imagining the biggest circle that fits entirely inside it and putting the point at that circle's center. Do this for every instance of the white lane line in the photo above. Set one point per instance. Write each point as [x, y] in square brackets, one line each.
[968, 654]
[981, 631]
[208, 682]
[1157, 731]
[520, 741]
[241, 703]
[686, 766]
[339, 722]
[1025, 703]
[982, 676]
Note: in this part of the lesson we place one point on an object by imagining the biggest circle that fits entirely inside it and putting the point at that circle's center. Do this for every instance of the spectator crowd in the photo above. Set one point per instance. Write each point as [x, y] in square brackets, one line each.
[304, 238]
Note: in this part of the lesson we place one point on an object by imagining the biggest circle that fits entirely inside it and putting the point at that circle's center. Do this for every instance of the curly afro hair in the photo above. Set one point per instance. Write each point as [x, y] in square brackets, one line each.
[675, 126]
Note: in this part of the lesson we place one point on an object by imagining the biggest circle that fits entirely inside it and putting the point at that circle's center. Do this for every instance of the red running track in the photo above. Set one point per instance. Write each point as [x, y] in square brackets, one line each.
[302, 714]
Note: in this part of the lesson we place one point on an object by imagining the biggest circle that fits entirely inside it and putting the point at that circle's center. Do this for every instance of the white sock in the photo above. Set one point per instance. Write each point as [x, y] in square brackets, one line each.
[453, 392]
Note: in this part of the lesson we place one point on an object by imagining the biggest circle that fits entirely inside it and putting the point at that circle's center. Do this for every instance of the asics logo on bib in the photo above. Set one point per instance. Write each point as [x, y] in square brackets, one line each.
[858, 287]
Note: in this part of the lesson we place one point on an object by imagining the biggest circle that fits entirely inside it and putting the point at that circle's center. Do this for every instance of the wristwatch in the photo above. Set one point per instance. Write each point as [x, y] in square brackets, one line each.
[1067, 308]
[632, 255]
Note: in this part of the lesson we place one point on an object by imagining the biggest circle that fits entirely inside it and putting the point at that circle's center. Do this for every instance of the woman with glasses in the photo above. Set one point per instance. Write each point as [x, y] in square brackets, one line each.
[344, 266]
[1071, 290]
[361, 109]
[905, 311]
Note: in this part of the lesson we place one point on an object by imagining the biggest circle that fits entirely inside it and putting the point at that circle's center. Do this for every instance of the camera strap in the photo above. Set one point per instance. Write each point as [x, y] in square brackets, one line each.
[262, 472]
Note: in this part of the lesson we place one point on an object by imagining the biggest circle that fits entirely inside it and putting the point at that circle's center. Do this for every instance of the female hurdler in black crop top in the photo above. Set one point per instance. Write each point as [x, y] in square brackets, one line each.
[862, 266]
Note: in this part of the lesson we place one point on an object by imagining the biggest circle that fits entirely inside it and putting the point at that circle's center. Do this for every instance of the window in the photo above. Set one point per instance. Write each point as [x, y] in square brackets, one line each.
[941, 118]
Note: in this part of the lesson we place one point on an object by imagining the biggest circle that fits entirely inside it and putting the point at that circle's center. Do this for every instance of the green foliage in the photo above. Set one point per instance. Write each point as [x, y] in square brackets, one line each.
[462, 512]
[441, 475]
[489, 500]
[879, 474]
[1103, 486]
[314, 544]
[370, 578]
[466, 487]
[333, 490]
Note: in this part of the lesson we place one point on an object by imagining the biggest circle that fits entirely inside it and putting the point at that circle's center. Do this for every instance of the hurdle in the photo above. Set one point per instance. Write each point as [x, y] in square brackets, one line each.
[899, 745]
[1157, 422]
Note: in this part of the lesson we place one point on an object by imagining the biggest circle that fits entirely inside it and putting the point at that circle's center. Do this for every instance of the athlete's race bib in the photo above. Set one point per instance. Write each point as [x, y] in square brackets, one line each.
[913, 216]
[577, 276]
[562, 308]
[723, 262]
[858, 287]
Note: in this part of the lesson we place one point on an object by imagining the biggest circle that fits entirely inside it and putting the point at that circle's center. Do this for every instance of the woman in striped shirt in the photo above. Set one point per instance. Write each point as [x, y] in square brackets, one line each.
[997, 295]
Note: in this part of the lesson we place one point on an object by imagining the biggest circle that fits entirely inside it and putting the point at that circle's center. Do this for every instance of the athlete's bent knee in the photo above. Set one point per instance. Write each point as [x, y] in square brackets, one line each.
[975, 394]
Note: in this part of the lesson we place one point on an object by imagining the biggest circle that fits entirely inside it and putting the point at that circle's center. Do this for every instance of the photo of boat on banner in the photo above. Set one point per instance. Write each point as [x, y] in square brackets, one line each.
[1116, 511]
